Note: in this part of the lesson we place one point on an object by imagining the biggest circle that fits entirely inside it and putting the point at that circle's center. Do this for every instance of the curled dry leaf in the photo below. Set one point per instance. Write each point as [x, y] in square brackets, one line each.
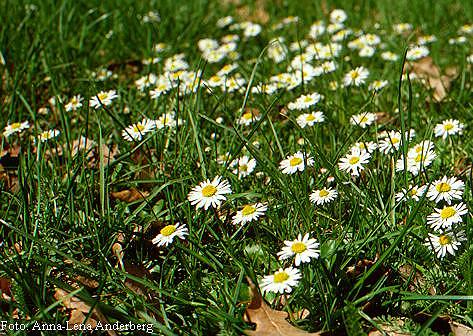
[440, 84]
[79, 310]
[257, 14]
[269, 322]
[460, 329]
[129, 195]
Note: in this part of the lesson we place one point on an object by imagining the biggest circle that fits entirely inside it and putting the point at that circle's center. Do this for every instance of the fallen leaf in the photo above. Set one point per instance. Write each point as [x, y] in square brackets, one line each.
[415, 278]
[300, 315]
[79, 310]
[427, 70]
[460, 329]
[269, 322]
[129, 195]
[138, 271]
[91, 283]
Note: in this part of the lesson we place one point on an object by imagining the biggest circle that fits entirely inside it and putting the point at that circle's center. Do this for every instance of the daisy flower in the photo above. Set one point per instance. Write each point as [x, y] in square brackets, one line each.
[47, 135]
[356, 76]
[305, 101]
[167, 234]
[416, 53]
[389, 56]
[244, 166]
[401, 28]
[296, 162]
[104, 98]
[353, 162]
[413, 192]
[447, 216]
[310, 119]
[282, 281]
[363, 119]
[167, 120]
[208, 193]
[338, 16]
[445, 243]
[416, 161]
[247, 118]
[137, 131]
[249, 213]
[365, 146]
[392, 140]
[74, 104]
[303, 248]
[448, 127]
[378, 85]
[322, 196]
[16, 127]
[446, 189]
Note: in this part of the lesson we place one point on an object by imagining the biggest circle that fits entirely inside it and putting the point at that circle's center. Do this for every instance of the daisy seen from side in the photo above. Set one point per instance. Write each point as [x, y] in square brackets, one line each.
[168, 233]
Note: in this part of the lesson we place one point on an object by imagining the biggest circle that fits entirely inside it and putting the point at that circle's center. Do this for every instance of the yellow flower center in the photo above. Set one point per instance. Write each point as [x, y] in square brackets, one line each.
[323, 193]
[244, 168]
[447, 212]
[102, 96]
[362, 146]
[363, 119]
[247, 116]
[448, 127]
[354, 160]
[15, 125]
[138, 128]
[168, 230]
[395, 140]
[298, 247]
[413, 192]
[209, 190]
[307, 99]
[444, 240]
[295, 161]
[280, 277]
[310, 117]
[248, 210]
[419, 158]
[354, 75]
[443, 187]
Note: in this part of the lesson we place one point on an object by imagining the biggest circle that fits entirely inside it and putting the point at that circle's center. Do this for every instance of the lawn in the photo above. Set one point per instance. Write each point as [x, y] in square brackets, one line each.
[236, 167]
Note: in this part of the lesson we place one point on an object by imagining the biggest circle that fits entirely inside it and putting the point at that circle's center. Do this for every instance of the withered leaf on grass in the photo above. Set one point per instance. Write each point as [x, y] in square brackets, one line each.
[129, 195]
[79, 310]
[138, 271]
[460, 329]
[426, 69]
[269, 322]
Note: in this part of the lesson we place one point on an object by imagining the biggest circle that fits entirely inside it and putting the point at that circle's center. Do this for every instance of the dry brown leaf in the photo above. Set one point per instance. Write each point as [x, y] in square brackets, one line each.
[129, 195]
[138, 271]
[79, 309]
[440, 84]
[393, 329]
[300, 315]
[91, 283]
[269, 322]
[460, 329]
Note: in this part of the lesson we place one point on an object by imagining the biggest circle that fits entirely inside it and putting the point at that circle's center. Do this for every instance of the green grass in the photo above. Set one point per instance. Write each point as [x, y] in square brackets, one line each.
[61, 221]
